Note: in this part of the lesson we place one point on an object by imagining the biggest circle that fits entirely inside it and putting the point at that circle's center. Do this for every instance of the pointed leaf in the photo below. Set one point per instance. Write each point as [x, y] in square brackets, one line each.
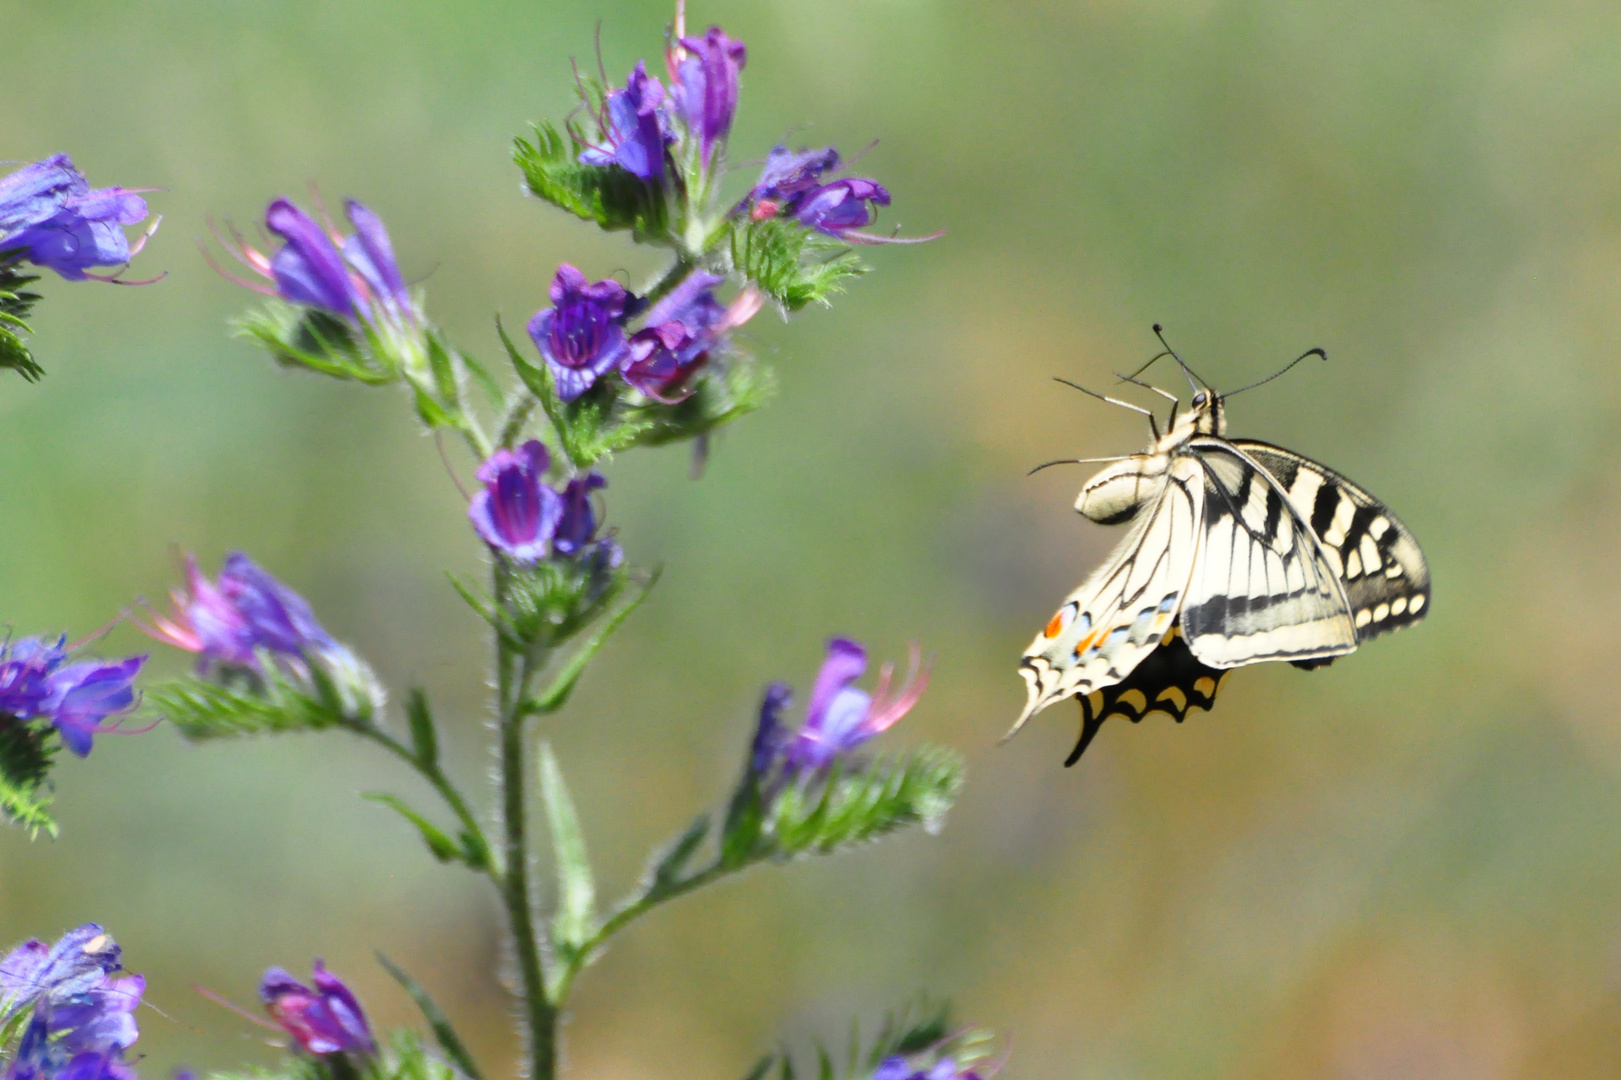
[668, 865]
[443, 847]
[575, 920]
[557, 692]
[761, 1067]
[449, 1041]
[424, 737]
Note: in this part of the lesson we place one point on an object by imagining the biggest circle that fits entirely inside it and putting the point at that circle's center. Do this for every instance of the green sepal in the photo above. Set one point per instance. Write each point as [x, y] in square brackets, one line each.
[609, 196]
[26, 751]
[575, 920]
[319, 341]
[449, 1041]
[549, 601]
[668, 865]
[424, 736]
[340, 691]
[15, 306]
[403, 1057]
[743, 828]
[860, 802]
[719, 396]
[791, 264]
[557, 692]
[922, 1032]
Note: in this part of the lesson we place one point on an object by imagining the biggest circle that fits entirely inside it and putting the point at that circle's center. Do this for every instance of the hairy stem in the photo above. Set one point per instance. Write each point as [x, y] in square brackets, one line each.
[447, 790]
[674, 276]
[513, 674]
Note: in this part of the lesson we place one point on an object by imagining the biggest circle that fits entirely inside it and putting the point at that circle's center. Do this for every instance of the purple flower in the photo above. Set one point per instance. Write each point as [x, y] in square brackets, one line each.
[76, 965]
[581, 336]
[634, 130]
[839, 718]
[75, 699]
[246, 610]
[705, 86]
[516, 513]
[354, 276]
[577, 526]
[51, 216]
[662, 360]
[790, 173]
[897, 1068]
[841, 206]
[325, 1019]
[83, 1017]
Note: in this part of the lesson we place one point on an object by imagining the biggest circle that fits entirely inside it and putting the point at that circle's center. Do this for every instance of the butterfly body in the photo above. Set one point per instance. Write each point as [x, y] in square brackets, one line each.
[1238, 552]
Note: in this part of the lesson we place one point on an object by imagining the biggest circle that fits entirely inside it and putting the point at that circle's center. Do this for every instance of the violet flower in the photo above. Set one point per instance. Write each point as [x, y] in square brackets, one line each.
[50, 216]
[683, 330]
[581, 336]
[897, 1068]
[244, 611]
[634, 129]
[789, 174]
[353, 277]
[839, 718]
[705, 86]
[325, 1019]
[577, 524]
[75, 700]
[517, 513]
[841, 206]
[83, 1017]
[77, 964]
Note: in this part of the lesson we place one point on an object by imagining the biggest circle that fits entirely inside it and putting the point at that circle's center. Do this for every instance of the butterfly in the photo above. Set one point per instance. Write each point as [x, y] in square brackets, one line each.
[1238, 552]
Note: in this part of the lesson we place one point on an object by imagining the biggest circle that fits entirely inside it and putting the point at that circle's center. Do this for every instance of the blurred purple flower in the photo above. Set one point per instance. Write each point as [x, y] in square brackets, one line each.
[83, 1018]
[325, 1019]
[897, 1068]
[581, 336]
[788, 174]
[705, 86]
[841, 206]
[839, 718]
[75, 699]
[634, 129]
[577, 526]
[50, 216]
[246, 610]
[77, 964]
[682, 331]
[354, 276]
[517, 513]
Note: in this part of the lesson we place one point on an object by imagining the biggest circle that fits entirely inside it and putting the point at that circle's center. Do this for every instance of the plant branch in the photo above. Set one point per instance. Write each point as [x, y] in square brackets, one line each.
[435, 776]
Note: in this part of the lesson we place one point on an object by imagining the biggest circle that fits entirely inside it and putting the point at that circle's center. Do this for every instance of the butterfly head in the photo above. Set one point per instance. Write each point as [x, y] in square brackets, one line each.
[1208, 413]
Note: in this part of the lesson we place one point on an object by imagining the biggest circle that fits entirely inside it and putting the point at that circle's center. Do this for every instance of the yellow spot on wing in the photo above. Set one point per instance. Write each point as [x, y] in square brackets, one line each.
[1205, 687]
[1175, 696]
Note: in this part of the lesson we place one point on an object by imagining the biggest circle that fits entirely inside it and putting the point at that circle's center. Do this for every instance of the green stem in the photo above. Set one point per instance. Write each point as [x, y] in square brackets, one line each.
[513, 674]
[441, 783]
[674, 276]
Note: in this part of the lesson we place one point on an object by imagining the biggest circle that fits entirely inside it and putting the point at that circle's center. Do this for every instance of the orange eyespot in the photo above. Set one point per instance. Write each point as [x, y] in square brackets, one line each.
[1056, 626]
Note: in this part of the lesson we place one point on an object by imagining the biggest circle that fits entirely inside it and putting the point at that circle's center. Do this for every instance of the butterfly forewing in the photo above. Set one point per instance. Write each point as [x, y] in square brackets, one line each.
[1262, 587]
[1119, 616]
[1170, 680]
[1386, 579]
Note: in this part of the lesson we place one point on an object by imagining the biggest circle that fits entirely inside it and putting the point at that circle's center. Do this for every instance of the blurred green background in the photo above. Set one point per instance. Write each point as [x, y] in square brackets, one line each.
[1403, 866]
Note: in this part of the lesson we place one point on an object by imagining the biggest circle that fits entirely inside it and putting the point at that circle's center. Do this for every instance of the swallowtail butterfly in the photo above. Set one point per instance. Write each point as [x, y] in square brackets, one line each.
[1239, 552]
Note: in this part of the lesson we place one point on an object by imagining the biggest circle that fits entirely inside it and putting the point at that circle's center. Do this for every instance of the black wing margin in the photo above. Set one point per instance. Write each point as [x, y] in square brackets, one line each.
[1170, 680]
[1386, 576]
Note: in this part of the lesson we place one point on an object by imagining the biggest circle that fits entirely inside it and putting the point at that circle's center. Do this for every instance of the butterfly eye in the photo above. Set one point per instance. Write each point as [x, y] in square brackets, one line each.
[1201, 398]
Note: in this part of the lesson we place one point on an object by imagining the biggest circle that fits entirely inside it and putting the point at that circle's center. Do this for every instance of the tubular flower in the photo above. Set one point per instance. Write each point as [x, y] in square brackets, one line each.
[244, 611]
[354, 276]
[83, 1017]
[325, 1019]
[705, 86]
[517, 513]
[581, 336]
[789, 174]
[577, 525]
[51, 216]
[634, 129]
[839, 718]
[75, 699]
[682, 332]
[841, 206]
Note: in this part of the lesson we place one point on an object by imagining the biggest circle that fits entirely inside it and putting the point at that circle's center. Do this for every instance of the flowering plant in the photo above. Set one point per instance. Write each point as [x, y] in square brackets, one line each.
[606, 368]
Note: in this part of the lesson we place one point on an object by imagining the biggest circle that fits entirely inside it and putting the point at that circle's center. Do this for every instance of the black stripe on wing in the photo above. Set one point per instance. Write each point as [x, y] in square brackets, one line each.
[1170, 680]
[1387, 579]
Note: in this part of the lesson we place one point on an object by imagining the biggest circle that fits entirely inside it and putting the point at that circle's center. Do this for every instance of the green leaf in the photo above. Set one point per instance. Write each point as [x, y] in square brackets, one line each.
[576, 919]
[26, 750]
[858, 803]
[667, 865]
[793, 265]
[424, 737]
[761, 1067]
[438, 1022]
[611, 197]
[744, 827]
[443, 847]
[562, 685]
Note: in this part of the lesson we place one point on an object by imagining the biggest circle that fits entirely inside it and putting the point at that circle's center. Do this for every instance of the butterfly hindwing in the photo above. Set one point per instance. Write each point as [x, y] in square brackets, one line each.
[1386, 578]
[1170, 680]
[1118, 617]
[1262, 587]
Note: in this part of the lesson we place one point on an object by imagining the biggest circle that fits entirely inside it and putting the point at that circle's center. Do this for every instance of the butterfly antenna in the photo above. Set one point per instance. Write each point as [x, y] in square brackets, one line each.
[1309, 352]
[1152, 422]
[1175, 403]
[1194, 382]
[1074, 461]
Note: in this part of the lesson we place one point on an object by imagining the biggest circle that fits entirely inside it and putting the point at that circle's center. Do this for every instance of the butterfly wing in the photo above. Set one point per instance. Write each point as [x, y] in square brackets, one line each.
[1119, 616]
[1386, 578]
[1170, 679]
[1263, 587]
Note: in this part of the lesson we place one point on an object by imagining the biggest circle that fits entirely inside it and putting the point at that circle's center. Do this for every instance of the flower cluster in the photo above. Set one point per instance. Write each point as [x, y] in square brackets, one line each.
[518, 514]
[83, 1011]
[322, 1019]
[583, 335]
[839, 718]
[37, 684]
[247, 625]
[353, 277]
[51, 217]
